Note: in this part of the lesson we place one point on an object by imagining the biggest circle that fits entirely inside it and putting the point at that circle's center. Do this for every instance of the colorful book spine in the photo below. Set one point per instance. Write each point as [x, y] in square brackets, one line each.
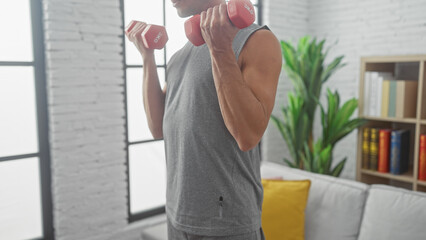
[379, 95]
[392, 99]
[400, 144]
[384, 150]
[380, 92]
[373, 93]
[422, 158]
[367, 94]
[406, 99]
[366, 148]
[385, 98]
[374, 148]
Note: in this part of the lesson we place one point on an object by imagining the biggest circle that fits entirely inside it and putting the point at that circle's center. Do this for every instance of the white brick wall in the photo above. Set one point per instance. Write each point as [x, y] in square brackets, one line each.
[86, 101]
[362, 28]
[86, 109]
[288, 19]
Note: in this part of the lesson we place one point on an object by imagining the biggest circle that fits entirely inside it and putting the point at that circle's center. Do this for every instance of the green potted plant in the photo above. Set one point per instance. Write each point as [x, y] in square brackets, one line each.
[305, 66]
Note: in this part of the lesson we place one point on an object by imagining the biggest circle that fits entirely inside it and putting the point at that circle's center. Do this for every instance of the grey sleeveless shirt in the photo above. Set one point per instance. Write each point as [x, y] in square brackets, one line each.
[213, 188]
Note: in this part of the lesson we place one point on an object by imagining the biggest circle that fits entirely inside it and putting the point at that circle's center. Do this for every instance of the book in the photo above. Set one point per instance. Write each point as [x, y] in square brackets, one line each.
[374, 148]
[374, 83]
[373, 92]
[366, 148]
[378, 96]
[406, 99]
[400, 144]
[422, 158]
[381, 78]
[385, 98]
[367, 94]
[392, 99]
[384, 150]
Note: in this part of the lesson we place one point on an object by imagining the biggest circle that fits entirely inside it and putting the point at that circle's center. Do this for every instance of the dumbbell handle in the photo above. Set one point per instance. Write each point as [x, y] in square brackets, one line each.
[153, 36]
[240, 12]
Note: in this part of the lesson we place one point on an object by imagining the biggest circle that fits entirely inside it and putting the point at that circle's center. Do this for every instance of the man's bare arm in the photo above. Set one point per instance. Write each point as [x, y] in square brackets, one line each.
[153, 98]
[246, 89]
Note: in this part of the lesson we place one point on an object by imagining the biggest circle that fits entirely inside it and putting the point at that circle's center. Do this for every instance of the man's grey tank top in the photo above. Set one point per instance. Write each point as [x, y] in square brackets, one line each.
[213, 188]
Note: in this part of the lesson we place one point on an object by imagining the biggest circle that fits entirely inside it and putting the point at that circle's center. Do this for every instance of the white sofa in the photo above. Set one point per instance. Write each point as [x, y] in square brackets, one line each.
[340, 209]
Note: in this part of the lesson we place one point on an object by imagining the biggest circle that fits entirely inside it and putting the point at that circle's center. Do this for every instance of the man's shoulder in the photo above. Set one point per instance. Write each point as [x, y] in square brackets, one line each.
[247, 32]
[260, 44]
[260, 35]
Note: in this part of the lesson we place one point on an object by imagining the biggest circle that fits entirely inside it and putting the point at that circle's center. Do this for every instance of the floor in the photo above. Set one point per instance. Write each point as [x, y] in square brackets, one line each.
[157, 232]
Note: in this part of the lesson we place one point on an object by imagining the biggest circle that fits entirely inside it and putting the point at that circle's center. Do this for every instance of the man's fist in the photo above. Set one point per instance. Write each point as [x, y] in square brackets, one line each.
[146, 37]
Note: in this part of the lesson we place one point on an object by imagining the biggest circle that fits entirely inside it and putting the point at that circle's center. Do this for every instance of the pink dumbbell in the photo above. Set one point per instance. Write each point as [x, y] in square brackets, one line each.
[240, 12]
[153, 37]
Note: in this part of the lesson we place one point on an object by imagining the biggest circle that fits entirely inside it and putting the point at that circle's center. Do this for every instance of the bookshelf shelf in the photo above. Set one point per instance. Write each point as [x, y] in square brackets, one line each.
[389, 119]
[394, 59]
[408, 68]
[406, 177]
[422, 183]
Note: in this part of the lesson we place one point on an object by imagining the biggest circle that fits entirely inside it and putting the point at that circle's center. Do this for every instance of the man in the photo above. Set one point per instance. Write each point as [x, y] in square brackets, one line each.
[212, 114]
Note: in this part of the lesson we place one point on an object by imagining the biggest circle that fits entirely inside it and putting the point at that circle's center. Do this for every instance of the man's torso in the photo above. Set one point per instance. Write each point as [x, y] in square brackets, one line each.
[213, 188]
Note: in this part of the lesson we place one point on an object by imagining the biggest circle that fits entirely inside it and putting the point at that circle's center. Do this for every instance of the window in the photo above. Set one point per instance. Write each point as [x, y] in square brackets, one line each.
[25, 203]
[146, 157]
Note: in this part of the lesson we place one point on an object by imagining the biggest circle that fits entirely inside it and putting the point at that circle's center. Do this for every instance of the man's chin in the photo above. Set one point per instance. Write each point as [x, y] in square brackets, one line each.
[183, 14]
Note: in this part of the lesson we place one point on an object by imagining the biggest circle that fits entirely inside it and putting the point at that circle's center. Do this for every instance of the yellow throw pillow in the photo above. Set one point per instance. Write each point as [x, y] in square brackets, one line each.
[283, 209]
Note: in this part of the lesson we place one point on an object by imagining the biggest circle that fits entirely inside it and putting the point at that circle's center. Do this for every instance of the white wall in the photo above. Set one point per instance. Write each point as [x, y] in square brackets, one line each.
[362, 28]
[86, 102]
[86, 109]
[288, 19]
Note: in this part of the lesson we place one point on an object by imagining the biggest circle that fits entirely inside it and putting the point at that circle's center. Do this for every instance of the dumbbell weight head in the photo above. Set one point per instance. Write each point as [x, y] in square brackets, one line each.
[193, 30]
[240, 12]
[130, 26]
[153, 36]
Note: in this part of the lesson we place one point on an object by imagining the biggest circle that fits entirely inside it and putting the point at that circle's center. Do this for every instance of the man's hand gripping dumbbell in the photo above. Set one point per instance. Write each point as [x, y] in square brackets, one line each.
[146, 37]
[240, 13]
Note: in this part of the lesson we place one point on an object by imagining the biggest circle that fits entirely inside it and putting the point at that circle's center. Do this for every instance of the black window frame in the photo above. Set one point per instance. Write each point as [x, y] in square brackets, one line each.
[159, 210]
[43, 154]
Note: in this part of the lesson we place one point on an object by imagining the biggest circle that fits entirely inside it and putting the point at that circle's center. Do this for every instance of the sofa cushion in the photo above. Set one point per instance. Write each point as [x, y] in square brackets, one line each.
[335, 205]
[394, 213]
[283, 209]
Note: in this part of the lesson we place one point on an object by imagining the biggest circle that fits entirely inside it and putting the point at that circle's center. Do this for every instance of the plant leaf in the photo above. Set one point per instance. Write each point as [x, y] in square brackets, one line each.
[290, 164]
[331, 68]
[337, 170]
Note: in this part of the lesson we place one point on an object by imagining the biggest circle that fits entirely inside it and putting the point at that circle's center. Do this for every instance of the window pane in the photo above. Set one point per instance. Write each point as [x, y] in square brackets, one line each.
[20, 206]
[148, 11]
[18, 124]
[256, 10]
[175, 29]
[138, 125]
[15, 25]
[147, 165]
[133, 57]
